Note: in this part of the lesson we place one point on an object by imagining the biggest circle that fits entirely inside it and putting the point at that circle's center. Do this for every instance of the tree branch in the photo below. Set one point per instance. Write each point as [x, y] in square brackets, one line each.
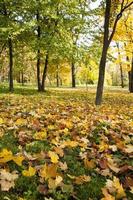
[119, 15]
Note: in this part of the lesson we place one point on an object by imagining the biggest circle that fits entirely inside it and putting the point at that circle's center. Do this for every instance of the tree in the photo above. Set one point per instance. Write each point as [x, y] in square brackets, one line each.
[120, 63]
[106, 42]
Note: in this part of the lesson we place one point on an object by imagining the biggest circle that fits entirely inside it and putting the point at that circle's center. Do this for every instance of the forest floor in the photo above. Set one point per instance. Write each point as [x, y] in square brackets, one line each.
[58, 145]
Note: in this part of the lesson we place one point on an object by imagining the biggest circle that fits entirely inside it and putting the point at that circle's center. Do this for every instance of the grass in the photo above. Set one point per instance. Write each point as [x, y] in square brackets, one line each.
[66, 114]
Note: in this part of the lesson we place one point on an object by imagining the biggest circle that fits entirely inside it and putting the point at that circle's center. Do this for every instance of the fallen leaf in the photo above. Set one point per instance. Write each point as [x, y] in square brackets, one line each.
[30, 172]
[48, 171]
[82, 179]
[107, 195]
[89, 164]
[7, 179]
[5, 156]
[53, 156]
[120, 191]
[18, 159]
[42, 135]
[59, 151]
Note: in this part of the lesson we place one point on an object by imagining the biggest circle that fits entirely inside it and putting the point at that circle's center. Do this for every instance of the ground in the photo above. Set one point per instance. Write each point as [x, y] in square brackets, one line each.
[58, 145]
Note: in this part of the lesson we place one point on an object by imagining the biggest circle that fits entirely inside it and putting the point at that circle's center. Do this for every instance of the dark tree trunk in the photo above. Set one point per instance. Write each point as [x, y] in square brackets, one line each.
[57, 77]
[131, 78]
[106, 42]
[44, 73]
[122, 77]
[22, 78]
[121, 69]
[102, 65]
[129, 81]
[10, 65]
[73, 75]
[38, 52]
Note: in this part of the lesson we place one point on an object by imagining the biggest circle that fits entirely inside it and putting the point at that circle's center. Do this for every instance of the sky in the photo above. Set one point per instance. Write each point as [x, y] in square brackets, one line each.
[95, 4]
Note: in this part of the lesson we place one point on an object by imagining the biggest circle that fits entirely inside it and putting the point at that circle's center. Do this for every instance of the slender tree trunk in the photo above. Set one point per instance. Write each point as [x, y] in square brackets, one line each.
[129, 81]
[131, 78]
[22, 77]
[57, 76]
[122, 77]
[73, 75]
[61, 82]
[44, 73]
[130, 75]
[102, 65]
[38, 53]
[121, 69]
[10, 65]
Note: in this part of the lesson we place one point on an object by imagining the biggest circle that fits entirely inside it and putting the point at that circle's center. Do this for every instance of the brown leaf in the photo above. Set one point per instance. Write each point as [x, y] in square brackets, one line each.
[103, 163]
[42, 189]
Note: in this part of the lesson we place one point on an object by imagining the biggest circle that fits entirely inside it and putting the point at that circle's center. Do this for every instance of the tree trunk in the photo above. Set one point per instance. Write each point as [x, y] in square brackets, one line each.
[121, 69]
[57, 77]
[44, 73]
[22, 78]
[61, 82]
[122, 77]
[73, 75]
[102, 65]
[131, 78]
[38, 52]
[10, 65]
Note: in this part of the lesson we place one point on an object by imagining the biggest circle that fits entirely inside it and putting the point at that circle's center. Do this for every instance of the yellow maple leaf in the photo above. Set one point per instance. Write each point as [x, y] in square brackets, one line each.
[20, 122]
[103, 146]
[82, 179]
[89, 164]
[5, 156]
[48, 171]
[30, 172]
[120, 191]
[59, 151]
[70, 143]
[42, 135]
[18, 159]
[53, 156]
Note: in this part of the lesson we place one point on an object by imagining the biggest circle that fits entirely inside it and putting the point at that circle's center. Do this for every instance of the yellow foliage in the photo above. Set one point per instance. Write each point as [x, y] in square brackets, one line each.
[48, 171]
[30, 172]
[54, 157]
[18, 159]
[42, 135]
[5, 156]
[120, 191]
[89, 164]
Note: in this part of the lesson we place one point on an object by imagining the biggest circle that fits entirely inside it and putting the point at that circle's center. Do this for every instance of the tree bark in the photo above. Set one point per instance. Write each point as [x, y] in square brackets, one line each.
[10, 65]
[102, 65]
[73, 75]
[38, 52]
[121, 69]
[44, 73]
[22, 77]
[106, 42]
[131, 78]
[57, 76]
